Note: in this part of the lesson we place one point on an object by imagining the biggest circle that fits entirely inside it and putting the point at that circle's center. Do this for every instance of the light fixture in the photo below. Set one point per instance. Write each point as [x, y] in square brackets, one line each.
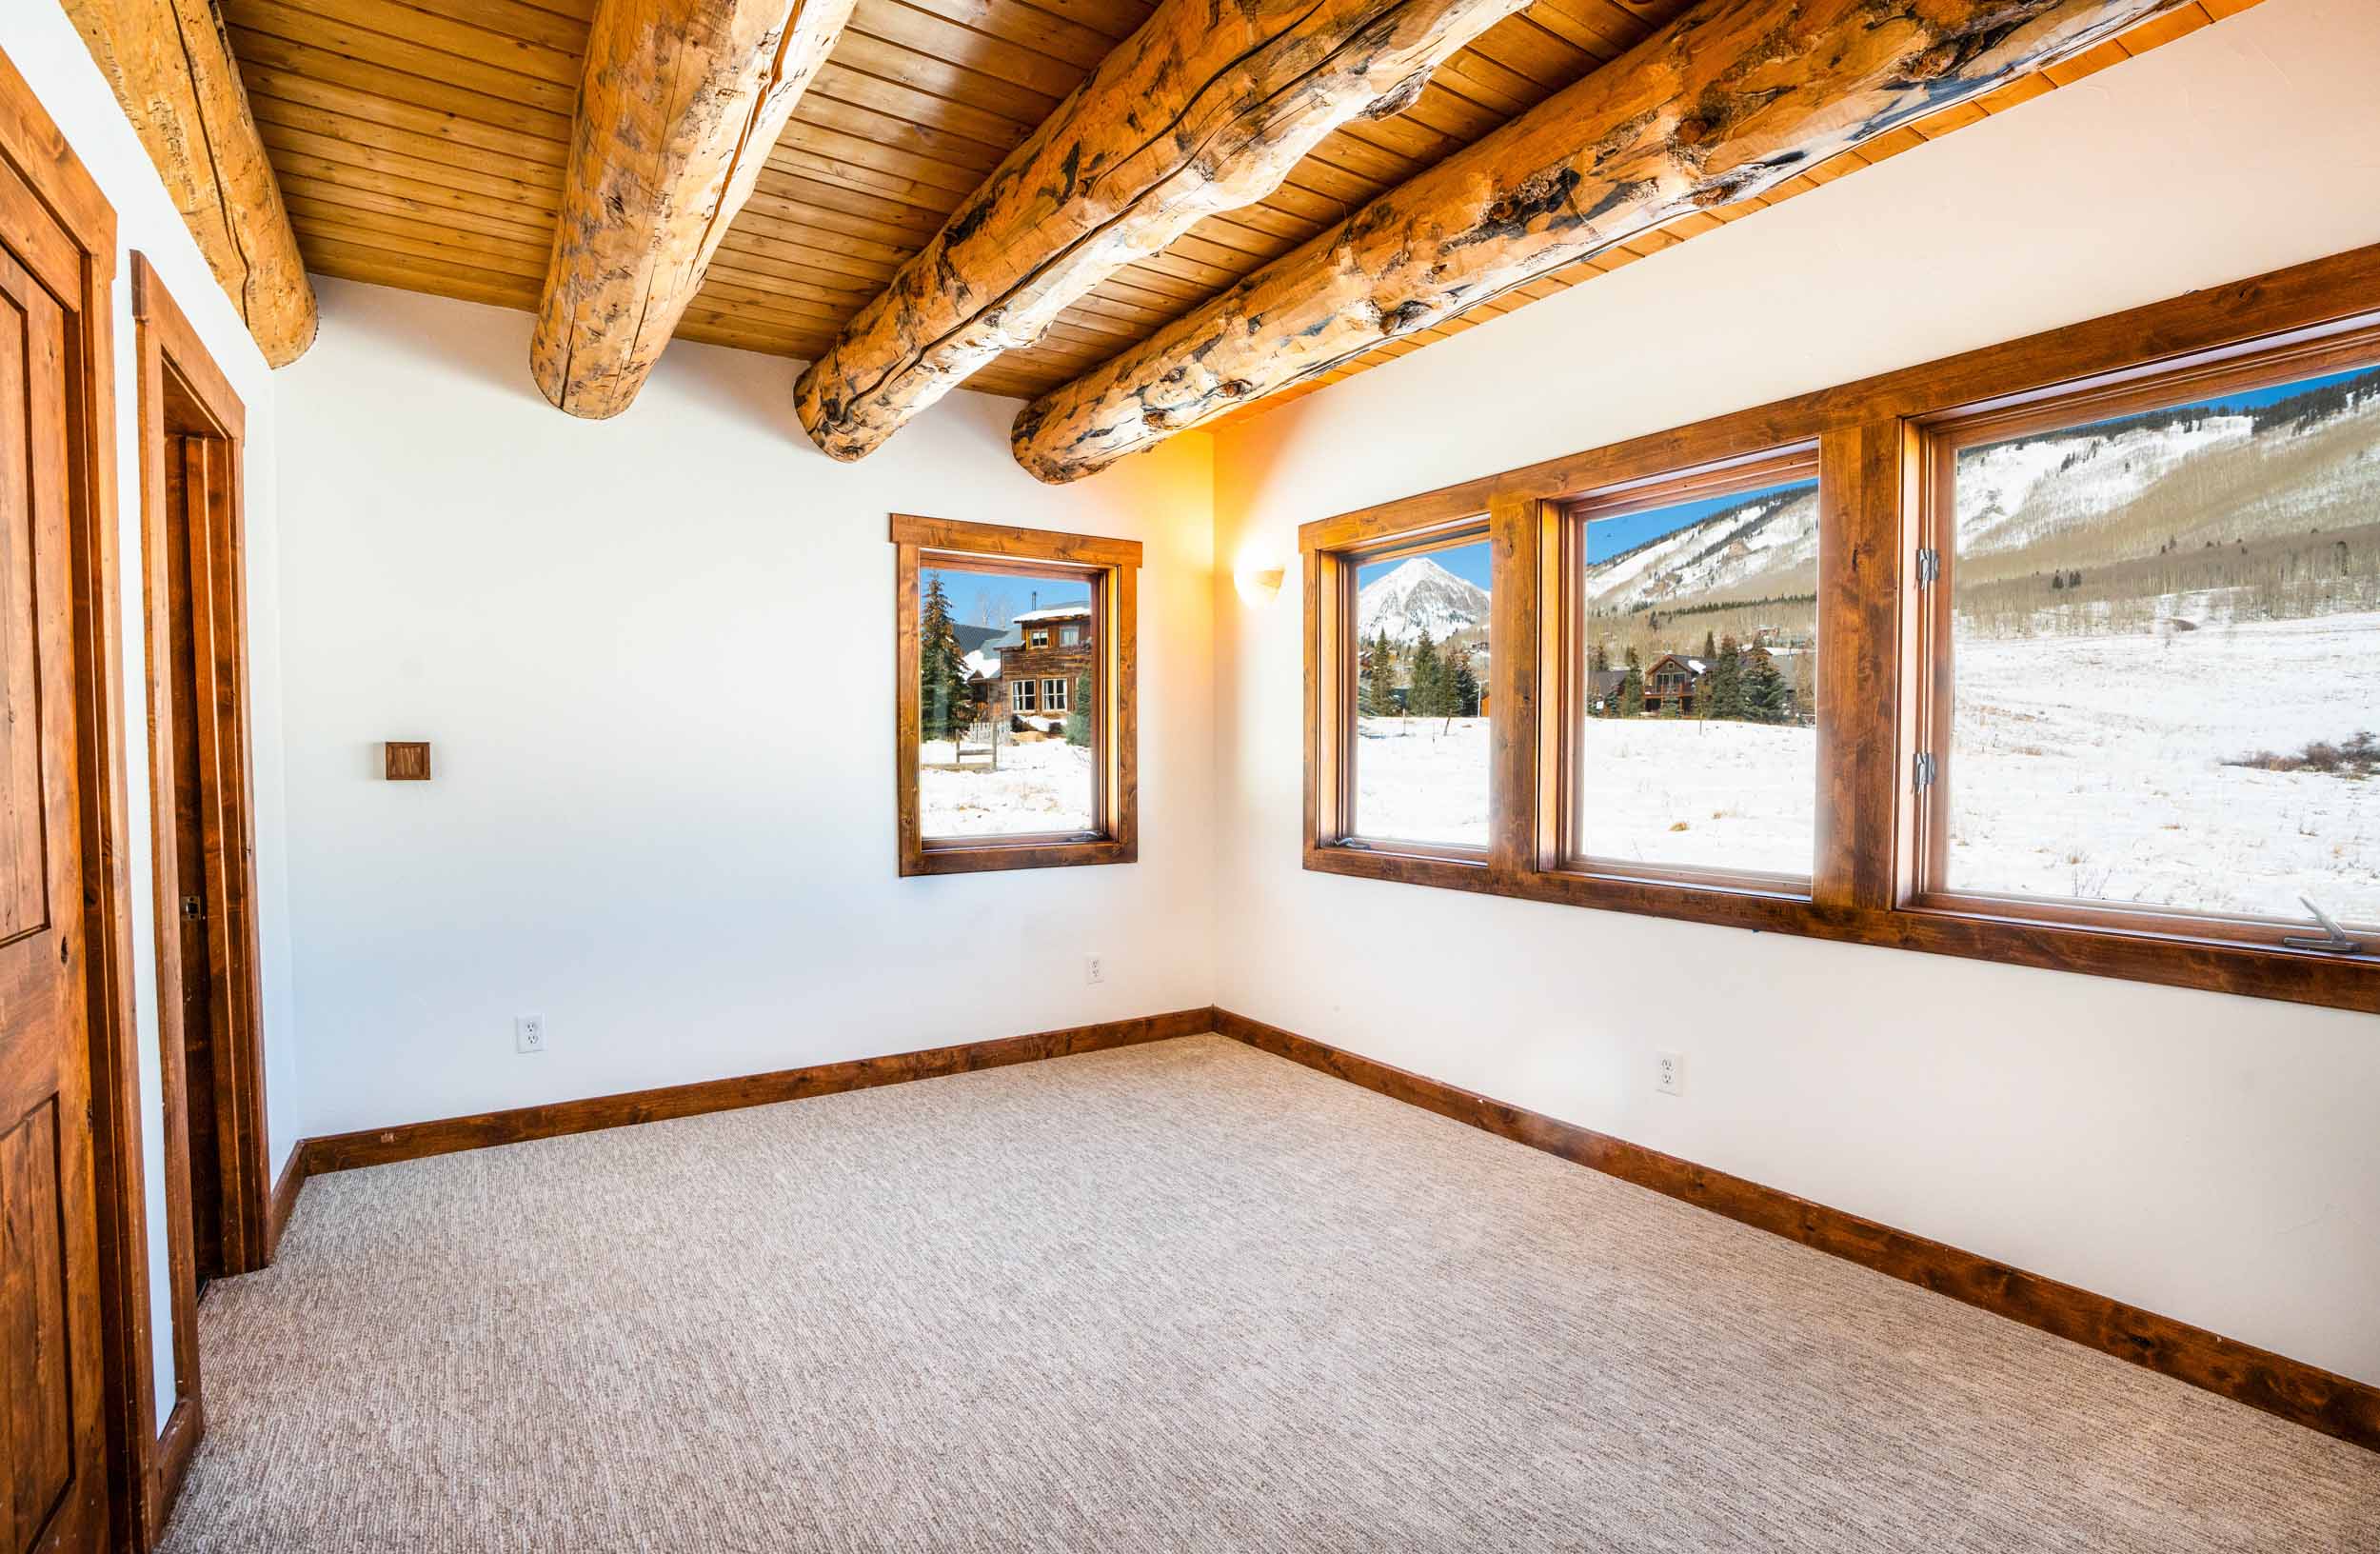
[1257, 577]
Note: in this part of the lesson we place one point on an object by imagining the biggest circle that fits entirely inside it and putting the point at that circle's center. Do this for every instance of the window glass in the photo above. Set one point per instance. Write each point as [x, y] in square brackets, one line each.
[1421, 715]
[2166, 657]
[1698, 731]
[998, 752]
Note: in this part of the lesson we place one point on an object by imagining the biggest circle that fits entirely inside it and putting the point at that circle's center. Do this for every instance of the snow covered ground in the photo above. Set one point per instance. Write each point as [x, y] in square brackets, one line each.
[2093, 766]
[1041, 785]
[2082, 767]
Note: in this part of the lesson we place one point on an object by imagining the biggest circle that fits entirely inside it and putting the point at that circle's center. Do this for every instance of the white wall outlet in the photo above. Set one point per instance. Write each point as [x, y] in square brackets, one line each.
[1094, 970]
[1669, 1073]
[528, 1032]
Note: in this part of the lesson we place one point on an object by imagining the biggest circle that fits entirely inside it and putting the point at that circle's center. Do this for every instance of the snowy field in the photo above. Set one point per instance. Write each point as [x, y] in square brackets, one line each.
[1041, 786]
[2092, 768]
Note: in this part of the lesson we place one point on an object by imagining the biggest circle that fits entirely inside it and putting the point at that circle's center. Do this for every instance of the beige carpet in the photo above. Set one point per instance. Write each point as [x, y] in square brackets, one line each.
[1175, 1297]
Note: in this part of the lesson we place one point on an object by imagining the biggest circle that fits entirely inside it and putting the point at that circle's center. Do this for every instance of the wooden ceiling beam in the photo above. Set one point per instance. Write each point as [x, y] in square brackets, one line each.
[680, 103]
[1203, 108]
[1729, 100]
[170, 65]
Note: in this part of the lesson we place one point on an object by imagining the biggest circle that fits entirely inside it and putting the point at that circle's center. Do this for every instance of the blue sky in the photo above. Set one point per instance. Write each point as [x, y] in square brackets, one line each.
[1609, 537]
[2257, 398]
[996, 598]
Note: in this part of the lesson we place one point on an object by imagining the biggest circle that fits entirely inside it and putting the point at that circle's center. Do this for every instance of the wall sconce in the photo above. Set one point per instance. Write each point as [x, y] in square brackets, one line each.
[1258, 578]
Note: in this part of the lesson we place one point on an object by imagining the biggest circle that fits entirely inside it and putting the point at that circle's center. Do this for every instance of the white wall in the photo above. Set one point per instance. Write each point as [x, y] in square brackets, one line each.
[49, 54]
[654, 657]
[2211, 1158]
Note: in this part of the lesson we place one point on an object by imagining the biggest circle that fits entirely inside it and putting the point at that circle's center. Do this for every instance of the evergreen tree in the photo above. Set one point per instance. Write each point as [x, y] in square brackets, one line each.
[1425, 695]
[1375, 684]
[1632, 689]
[944, 706]
[1599, 657]
[1765, 692]
[1462, 686]
[1079, 713]
[1724, 686]
[1710, 648]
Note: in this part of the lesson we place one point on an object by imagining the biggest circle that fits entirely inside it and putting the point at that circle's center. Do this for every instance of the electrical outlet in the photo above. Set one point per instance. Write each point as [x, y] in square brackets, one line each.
[1094, 970]
[1669, 1073]
[528, 1032]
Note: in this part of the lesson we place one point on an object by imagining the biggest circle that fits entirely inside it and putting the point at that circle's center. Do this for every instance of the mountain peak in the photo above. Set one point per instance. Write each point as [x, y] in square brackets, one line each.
[1420, 596]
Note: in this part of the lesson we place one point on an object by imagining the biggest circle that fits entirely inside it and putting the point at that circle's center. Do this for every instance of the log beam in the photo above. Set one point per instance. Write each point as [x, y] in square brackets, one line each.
[169, 65]
[680, 103]
[1730, 99]
[1205, 108]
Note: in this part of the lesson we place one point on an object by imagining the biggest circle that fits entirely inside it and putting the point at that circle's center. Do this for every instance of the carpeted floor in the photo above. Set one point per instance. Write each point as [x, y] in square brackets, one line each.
[1187, 1297]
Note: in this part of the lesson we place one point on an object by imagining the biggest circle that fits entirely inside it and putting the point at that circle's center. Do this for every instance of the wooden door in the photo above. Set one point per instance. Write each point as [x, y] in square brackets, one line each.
[52, 1489]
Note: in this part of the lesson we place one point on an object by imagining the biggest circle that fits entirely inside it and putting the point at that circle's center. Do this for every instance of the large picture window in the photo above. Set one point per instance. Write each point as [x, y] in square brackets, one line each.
[2061, 653]
[2157, 637]
[1017, 746]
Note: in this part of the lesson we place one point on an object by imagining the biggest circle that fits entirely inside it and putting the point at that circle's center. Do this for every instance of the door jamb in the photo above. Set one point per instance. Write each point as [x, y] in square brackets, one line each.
[36, 152]
[169, 352]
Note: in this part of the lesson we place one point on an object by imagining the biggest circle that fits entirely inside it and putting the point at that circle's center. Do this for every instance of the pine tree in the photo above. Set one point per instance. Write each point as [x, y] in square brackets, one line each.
[1710, 648]
[1632, 689]
[1426, 680]
[944, 706]
[1376, 689]
[1725, 686]
[1079, 713]
[1599, 657]
[1462, 686]
[1765, 692]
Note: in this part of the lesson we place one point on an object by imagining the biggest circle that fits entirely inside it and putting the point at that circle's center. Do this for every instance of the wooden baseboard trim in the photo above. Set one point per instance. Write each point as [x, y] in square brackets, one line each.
[169, 1464]
[2291, 1389]
[413, 1141]
[285, 1195]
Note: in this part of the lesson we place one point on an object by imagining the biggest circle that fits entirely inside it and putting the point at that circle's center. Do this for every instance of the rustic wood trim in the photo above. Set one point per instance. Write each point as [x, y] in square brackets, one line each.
[166, 344]
[39, 161]
[1876, 635]
[1111, 567]
[2329, 294]
[2291, 1389]
[171, 1465]
[286, 1191]
[413, 1141]
[1010, 543]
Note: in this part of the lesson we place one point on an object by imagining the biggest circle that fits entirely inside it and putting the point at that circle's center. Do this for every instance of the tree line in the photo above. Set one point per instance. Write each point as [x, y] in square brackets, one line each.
[1438, 682]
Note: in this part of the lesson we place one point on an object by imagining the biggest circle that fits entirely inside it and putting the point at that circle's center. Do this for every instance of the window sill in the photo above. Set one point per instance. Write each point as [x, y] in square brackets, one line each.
[1006, 853]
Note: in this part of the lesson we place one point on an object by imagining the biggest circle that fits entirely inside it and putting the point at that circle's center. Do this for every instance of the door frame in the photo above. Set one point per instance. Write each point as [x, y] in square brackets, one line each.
[38, 166]
[170, 357]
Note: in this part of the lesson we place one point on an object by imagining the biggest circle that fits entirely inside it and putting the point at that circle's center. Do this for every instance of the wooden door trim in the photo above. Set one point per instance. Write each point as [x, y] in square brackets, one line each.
[36, 155]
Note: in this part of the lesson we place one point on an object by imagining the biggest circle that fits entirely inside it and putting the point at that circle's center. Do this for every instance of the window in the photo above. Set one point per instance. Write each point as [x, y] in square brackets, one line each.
[1409, 717]
[1070, 636]
[1692, 631]
[977, 794]
[2157, 640]
[1041, 636]
[2061, 653]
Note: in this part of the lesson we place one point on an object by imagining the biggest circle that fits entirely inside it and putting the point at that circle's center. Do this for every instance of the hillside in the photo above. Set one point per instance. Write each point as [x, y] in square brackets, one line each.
[1417, 596]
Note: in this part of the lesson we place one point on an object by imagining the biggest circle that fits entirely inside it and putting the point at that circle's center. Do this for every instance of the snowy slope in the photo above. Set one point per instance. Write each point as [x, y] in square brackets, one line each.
[1419, 596]
[1761, 538]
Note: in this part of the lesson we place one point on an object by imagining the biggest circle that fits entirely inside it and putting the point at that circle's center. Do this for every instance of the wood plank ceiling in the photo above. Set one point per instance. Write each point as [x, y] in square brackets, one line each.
[421, 144]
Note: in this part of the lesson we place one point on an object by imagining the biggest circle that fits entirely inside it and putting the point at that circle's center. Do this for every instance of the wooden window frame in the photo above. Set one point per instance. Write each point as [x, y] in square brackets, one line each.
[1054, 693]
[1022, 692]
[1874, 666]
[1111, 568]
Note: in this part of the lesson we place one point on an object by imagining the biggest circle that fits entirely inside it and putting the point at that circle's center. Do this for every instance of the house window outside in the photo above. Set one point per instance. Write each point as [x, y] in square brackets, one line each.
[1041, 636]
[1070, 636]
[1707, 768]
[1020, 696]
[1054, 695]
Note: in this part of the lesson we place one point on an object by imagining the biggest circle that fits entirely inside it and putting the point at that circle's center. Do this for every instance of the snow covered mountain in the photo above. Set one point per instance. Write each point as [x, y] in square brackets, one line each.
[1419, 596]
[2192, 477]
